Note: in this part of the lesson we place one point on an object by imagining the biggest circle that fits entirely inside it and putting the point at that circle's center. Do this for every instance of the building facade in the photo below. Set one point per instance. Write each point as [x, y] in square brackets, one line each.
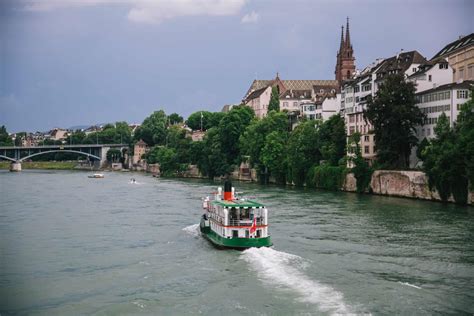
[460, 55]
[355, 92]
[446, 99]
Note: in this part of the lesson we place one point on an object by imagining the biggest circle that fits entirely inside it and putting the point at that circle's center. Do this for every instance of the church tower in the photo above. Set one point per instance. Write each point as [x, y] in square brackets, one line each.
[345, 64]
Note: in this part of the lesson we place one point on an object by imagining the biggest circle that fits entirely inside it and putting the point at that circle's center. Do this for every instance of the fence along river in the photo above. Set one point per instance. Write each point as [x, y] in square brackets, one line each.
[74, 245]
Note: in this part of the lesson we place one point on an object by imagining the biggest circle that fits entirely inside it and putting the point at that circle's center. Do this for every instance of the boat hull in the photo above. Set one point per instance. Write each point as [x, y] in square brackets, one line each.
[234, 243]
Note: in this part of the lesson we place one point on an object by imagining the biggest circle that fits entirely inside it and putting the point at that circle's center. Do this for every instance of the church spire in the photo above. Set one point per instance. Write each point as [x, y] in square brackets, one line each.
[348, 36]
[342, 38]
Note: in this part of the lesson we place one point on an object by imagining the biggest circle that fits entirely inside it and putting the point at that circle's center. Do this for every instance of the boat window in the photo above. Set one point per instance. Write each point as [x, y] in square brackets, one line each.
[247, 234]
[259, 233]
[233, 213]
[235, 233]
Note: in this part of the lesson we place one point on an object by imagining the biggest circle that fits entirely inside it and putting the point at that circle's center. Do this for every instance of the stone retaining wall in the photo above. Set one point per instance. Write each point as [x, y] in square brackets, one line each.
[411, 184]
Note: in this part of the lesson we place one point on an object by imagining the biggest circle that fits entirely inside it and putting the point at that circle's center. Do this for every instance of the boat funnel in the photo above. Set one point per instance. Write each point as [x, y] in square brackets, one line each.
[228, 191]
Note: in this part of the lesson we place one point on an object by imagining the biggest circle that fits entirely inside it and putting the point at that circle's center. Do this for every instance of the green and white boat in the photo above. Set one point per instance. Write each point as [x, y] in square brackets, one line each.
[231, 222]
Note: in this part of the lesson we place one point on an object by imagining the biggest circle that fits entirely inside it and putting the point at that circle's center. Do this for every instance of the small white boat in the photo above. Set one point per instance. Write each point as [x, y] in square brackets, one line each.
[96, 176]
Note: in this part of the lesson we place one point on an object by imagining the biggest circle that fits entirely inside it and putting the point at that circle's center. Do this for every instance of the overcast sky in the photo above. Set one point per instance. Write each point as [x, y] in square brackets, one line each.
[79, 62]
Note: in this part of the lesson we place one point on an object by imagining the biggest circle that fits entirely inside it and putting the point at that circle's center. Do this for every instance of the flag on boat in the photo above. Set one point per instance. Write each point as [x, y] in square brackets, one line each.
[253, 228]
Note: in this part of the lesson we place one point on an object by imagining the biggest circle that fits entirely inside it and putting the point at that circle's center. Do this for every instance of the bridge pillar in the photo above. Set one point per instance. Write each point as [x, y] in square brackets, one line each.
[15, 166]
[103, 156]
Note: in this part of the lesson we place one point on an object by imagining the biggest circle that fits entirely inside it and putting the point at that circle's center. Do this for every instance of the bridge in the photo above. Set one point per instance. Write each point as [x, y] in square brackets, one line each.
[17, 155]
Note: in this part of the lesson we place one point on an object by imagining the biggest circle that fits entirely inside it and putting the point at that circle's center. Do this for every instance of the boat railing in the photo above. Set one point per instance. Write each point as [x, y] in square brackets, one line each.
[244, 222]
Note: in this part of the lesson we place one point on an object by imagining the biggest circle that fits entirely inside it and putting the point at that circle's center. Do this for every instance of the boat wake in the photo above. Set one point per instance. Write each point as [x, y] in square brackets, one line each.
[408, 284]
[286, 271]
[192, 230]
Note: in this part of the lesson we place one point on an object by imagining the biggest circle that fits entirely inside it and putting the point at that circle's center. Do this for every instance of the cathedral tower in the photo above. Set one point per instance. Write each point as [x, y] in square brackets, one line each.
[345, 64]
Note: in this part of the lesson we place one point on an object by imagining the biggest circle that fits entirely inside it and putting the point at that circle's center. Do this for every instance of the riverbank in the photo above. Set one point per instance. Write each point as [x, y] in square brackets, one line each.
[48, 165]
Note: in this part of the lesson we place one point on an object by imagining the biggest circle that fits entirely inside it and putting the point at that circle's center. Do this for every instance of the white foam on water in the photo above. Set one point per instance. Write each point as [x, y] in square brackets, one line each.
[408, 284]
[192, 229]
[284, 270]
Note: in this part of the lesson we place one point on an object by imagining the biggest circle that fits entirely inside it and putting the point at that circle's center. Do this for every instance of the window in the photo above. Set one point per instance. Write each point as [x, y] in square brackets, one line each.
[470, 71]
[462, 94]
[295, 104]
[356, 89]
[351, 119]
[366, 150]
[429, 77]
[428, 131]
[235, 233]
[351, 130]
[413, 69]
[461, 73]
[366, 138]
[285, 104]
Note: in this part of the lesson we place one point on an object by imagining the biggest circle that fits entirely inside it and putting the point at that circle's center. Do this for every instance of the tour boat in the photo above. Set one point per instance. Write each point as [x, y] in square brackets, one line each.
[231, 222]
[96, 175]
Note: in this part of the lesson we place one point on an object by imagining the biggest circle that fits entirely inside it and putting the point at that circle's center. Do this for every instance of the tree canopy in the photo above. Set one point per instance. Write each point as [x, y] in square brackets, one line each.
[274, 104]
[394, 116]
[153, 129]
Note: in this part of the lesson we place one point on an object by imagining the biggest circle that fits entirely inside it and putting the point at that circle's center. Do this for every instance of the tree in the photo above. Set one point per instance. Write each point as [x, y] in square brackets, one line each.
[5, 139]
[274, 104]
[394, 116]
[175, 118]
[465, 131]
[167, 158]
[114, 155]
[303, 151]
[212, 161]
[274, 155]
[209, 120]
[332, 135]
[448, 159]
[254, 138]
[230, 128]
[361, 169]
[153, 129]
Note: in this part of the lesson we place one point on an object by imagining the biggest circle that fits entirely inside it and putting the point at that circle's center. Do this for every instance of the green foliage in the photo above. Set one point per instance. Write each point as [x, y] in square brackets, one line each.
[421, 149]
[332, 135]
[175, 118]
[5, 139]
[153, 129]
[209, 120]
[118, 133]
[167, 158]
[114, 155]
[274, 104]
[303, 151]
[212, 160]
[394, 116]
[230, 128]
[254, 138]
[274, 155]
[449, 159]
[327, 177]
[361, 169]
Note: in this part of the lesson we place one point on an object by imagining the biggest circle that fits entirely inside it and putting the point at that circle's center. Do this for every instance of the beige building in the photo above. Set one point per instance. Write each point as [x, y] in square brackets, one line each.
[139, 150]
[460, 55]
[295, 92]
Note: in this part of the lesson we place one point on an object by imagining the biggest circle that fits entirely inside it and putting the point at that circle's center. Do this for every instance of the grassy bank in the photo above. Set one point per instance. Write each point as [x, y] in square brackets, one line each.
[51, 165]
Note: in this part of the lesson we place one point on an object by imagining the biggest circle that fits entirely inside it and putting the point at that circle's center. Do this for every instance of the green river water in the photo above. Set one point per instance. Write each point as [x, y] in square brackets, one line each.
[70, 245]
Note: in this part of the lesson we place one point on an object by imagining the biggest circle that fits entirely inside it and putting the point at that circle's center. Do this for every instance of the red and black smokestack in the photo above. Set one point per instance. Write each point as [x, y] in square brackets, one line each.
[228, 190]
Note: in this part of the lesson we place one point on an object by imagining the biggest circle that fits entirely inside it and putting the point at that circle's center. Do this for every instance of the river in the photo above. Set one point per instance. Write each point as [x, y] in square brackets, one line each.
[72, 245]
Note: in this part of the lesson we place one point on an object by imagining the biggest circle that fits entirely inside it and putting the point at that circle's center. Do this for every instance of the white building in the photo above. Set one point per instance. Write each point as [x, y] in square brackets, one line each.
[432, 74]
[356, 91]
[445, 99]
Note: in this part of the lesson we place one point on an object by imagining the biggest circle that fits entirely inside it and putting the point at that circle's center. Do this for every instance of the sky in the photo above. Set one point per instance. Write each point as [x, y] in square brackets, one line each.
[83, 62]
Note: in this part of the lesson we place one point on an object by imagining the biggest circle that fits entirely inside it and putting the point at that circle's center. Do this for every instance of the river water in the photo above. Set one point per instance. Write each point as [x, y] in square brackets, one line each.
[73, 245]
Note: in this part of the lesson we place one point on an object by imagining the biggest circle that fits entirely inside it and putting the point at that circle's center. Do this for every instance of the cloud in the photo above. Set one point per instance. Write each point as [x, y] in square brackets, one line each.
[251, 17]
[157, 11]
[49, 5]
[148, 11]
